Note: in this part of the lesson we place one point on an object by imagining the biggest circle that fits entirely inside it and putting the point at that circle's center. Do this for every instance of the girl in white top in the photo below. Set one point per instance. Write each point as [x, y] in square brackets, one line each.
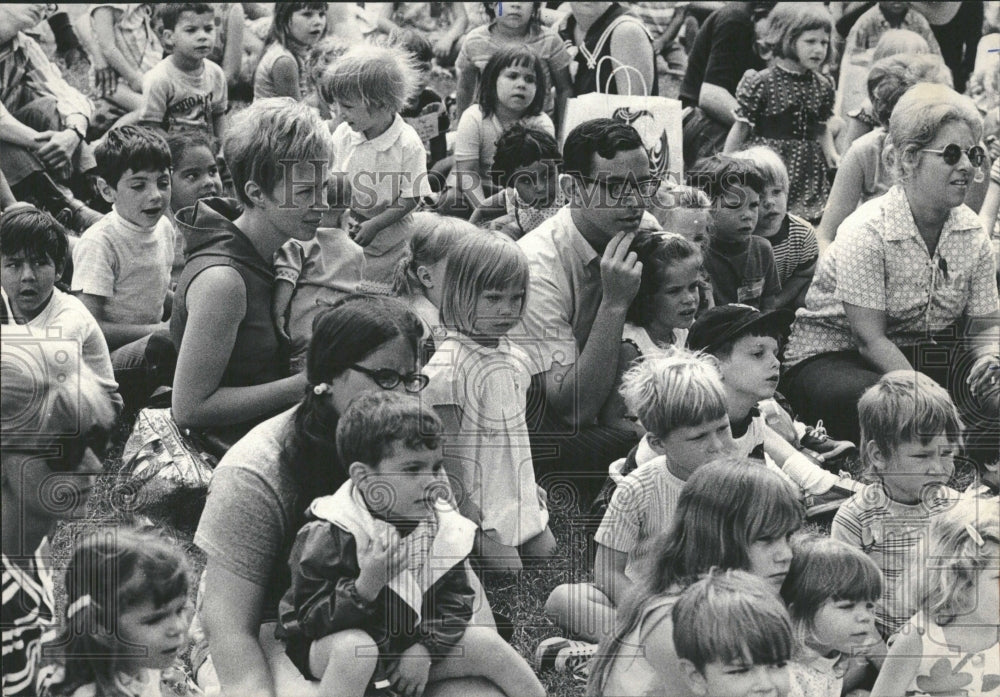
[831, 590]
[661, 312]
[126, 620]
[479, 384]
[419, 277]
[951, 646]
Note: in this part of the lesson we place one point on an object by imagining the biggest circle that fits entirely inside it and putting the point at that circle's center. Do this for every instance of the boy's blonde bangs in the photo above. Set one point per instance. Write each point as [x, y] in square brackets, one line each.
[679, 389]
[905, 406]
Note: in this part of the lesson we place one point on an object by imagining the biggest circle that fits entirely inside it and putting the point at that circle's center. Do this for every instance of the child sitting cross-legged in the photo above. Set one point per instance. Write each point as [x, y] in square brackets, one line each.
[680, 399]
[380, 588]
[910, 433]
[746, 344]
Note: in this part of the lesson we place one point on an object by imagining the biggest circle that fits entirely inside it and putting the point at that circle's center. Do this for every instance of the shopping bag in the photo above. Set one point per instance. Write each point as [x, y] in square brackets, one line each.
[657, 119]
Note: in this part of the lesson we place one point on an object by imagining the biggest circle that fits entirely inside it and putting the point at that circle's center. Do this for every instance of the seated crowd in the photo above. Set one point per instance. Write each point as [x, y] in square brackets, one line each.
[415, 348]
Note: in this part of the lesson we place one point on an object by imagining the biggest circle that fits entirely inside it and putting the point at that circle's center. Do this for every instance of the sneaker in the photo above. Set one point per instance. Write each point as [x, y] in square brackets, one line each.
[818, 440]
[563, 655]
[819, 504]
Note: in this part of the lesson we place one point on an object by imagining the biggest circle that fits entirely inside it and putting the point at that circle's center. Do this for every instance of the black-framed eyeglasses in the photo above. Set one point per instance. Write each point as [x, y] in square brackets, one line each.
[952, 153]
[619, 188]
[389, 379]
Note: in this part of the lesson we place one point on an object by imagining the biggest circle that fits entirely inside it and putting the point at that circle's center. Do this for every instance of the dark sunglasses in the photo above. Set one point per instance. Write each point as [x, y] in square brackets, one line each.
[952, 153]
[618, 188]
[388, 379]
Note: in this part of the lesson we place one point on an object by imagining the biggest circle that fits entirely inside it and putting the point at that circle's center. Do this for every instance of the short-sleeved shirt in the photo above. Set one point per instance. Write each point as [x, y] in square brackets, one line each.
[490, 388]
[879, 261]
[894, 535]
[65, 317]
[175, 99]
[742, 275]
[28, 608]
[794, 246]
[481, 44]
[641, 508]
[722, 51]
[564, 291]
[128, 265]
[476, 138]
[27, 74]
[254, 510]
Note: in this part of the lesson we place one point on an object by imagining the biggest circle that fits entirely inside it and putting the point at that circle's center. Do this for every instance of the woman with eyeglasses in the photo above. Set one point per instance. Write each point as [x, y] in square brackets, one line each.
[261, 489]
[908, 284]
[55, 418]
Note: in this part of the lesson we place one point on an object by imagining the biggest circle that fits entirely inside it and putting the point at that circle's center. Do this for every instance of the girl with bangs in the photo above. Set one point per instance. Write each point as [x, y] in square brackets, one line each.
[282, 71]
[831, 590]
[512, 90]
[732, 514]
[126, 620]
[479, 386]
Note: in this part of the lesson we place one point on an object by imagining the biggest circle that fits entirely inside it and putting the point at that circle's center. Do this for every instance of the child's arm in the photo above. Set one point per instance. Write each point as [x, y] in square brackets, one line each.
[285, 72]
[104, 31]
[901, 664]
[738, 135]
[465, 90]
[829, 148]
[844, 197]
[369, 229]
[280, 303]
[564, 90]
[219, 126]
[793, 292]
[232, 55]
[609, 573]
[451, 426]
[327, 594]
[459, 21]
[117, 335]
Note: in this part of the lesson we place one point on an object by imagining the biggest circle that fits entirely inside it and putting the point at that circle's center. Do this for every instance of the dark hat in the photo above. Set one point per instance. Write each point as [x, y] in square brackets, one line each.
[725, 323]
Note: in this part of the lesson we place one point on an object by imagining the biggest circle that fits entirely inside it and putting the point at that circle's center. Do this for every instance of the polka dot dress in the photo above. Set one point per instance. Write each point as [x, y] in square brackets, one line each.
[787, 111]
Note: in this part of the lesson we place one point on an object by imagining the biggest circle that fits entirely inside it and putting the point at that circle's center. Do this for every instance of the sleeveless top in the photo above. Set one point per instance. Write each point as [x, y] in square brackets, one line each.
[946, 670]
[643, 342]
[593, 79]
[212, 240]
[263, 78]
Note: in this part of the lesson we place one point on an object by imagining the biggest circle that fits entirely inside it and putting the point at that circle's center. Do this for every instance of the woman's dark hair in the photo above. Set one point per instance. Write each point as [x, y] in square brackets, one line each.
[520, 146]
[283, 12]
[111, 570]
[346, 333]
[36, 234]
[604, 137]
[516, 55]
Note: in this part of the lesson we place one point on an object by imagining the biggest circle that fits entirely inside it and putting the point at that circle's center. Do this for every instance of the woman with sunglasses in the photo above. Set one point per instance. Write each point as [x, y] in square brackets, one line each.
[908, 284]
[56, 417]
[261, 489]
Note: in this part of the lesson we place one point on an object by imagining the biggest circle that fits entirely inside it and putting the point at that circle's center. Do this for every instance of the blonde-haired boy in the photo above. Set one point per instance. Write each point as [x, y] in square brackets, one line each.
[910, 433]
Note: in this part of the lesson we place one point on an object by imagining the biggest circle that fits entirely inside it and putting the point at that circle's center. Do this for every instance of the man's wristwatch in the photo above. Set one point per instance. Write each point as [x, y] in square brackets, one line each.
[78, 132]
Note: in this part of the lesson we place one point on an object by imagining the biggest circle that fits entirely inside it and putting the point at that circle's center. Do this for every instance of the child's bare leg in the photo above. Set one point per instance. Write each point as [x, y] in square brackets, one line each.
[582, 610]
[494, 556]
[345, 662]
[482, 653]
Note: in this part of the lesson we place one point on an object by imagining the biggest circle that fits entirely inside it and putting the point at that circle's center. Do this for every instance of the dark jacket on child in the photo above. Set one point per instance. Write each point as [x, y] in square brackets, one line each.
[432, 610]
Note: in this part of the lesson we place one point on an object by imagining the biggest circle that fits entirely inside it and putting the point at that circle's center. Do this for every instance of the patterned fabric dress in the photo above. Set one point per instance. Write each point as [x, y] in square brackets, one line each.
[787, 111]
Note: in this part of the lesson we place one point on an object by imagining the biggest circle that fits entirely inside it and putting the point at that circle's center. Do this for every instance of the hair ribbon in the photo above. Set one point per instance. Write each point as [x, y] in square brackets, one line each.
[974, 535]
[321, 389]
[80, 603]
